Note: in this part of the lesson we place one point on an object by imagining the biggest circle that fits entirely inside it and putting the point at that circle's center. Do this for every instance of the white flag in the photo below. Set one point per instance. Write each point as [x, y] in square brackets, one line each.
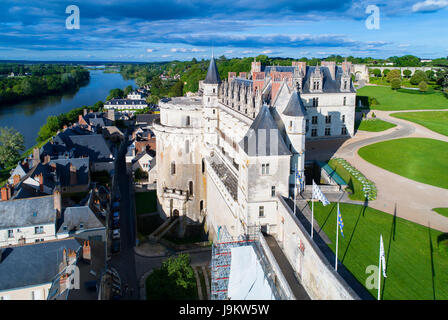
[317, 194]
[383, 259]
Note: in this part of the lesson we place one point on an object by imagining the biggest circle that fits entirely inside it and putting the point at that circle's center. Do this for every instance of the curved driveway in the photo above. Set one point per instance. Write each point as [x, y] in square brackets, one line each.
[398, 195]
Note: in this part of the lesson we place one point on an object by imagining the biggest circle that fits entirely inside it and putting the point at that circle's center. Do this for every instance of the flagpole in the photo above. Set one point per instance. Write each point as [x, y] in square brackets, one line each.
[312, 215]
[379, 272]
[337, 238]
[295, 189]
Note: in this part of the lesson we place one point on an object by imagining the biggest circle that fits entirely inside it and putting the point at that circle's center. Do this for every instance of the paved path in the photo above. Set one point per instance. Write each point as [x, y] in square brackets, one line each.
[398, 195]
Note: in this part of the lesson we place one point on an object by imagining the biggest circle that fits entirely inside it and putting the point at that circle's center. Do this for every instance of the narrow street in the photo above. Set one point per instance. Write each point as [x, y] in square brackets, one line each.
[124, 261]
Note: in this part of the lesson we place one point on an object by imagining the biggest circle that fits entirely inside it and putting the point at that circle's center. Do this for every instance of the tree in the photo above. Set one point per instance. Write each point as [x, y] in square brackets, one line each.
[395, 83]
[393, 74]
[423, 87]
[173, 280]
[128, 90]
[115, 93]
[430, 75]
[11, 145]
[418, 77]
[377, 72]
[407, 73]
[385, 72]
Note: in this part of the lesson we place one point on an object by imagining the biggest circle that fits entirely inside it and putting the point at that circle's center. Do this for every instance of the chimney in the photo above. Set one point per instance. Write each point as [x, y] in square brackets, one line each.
[57, 201]
[47, 159]
[16, 179]
[4, 192]
[331, 65]
[64, 127]
[36, 156]
[243, 75]
[73, 178]
[80, 118]
[64, 258]
[71, 256]
[41, 182]
[86, 251]
[84, 111]
[232, 75]
[25, 165]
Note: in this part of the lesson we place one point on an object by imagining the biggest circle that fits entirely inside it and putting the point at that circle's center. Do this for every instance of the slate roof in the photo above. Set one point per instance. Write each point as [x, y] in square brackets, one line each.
[73, 217]
[329, 85]
[33, 264]
[63, 170]
[27, 212]
[295, 107]
[147, 119]
[212, 73]
[263, 137]
[92, 145]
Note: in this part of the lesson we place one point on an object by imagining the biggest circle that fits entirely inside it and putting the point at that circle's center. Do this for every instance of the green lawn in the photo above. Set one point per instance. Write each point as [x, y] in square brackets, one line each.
[419, 159]
[374, 125]
[442, 211]
[404, 99]
[416, 256]
[433, 120]
[354, 185]
[145, 202]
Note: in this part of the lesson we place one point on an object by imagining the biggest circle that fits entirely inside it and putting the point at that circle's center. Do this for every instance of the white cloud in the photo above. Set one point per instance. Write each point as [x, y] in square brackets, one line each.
[166, 56]
[429, 5]
[266, 51]
[150, 50]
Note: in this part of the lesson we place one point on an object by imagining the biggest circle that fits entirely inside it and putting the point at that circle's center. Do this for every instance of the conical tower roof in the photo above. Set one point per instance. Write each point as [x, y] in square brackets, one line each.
[295, 107]
[212, 73]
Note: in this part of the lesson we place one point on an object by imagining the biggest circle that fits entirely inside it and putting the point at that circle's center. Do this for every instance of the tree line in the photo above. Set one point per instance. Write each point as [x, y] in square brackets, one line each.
[39, 80]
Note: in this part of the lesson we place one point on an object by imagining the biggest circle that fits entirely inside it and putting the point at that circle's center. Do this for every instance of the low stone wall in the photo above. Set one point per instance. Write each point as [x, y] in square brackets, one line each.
[316, 274]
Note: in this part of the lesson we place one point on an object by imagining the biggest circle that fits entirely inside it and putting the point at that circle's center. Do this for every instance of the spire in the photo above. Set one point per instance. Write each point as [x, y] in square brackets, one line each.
[212, 73]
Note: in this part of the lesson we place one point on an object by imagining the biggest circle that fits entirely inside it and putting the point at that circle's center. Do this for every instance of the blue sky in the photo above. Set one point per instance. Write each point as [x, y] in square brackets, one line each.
[160, 30]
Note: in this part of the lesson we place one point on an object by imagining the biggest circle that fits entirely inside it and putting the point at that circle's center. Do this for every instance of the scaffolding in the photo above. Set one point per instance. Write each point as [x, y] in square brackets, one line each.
[221, 261]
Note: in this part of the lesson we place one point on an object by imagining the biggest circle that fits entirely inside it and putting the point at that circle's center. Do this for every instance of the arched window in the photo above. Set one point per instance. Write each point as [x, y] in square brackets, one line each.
[190, 188]
[188, 121]
[187, 146]
[173, 167]
[203, 166]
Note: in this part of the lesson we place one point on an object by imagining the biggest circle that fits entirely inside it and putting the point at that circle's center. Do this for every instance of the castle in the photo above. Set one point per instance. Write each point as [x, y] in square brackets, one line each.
[226, 156]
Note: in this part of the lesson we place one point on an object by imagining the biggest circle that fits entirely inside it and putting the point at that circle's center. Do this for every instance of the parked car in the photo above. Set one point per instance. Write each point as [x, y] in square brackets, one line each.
[116, 234]
[116, 246]
[116, 214]
[90, 285]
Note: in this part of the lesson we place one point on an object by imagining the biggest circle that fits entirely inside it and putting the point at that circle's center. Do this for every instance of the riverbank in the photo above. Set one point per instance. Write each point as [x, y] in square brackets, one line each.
[29, 116]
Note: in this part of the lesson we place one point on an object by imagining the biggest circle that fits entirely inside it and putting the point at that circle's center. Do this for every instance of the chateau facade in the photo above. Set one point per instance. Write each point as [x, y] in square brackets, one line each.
[226, 156]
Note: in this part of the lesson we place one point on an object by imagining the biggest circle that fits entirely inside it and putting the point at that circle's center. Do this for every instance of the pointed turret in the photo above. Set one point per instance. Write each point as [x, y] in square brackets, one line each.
[295, 107]
[212, 73]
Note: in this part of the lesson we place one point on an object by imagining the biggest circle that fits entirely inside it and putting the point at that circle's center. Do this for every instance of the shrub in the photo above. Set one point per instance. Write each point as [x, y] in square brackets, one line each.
[393, 74]
[423, 86]
[418, 77]
[395, 83]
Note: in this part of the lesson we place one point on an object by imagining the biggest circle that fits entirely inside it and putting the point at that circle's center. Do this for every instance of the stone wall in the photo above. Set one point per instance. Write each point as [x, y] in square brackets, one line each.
[316, 274]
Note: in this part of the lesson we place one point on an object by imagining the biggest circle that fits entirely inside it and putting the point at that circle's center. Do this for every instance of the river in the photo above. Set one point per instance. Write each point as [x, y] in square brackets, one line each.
[27, 117]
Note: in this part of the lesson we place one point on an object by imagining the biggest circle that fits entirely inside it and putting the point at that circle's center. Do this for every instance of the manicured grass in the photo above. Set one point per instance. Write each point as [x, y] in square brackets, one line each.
[353, 185]
[404, 99]
[375, 125]
[433, 120]
[442, 211]
[145, 202]
[416, 256]
[419, 159]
